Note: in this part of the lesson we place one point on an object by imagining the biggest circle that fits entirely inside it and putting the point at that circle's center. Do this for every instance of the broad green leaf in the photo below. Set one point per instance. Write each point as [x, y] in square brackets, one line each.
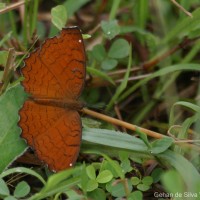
[185, 168]
[173, 182]
[97, 194]
[91, 172]
[161, 145]
[22, 189]
[110, 28]
[119, 139]
[59, 16]
[109, 64]
[3, 188]
[136, 195]
[99, 52]
[104, 176]
[119, 49]
[92, 185]
[142, 187]
[10, 103]
[135, 180]
[156, 174]
[147, 180]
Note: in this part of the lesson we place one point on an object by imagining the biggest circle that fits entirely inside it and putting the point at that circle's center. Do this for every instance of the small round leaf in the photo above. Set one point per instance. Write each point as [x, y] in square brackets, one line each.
[22, 189]
[59, 16]
[148, 180]
[91, 172]
[143, 187]
[104, 177]
[4, 188]
[109, 64]
[119, 49]
[92, 185]
[135, 180]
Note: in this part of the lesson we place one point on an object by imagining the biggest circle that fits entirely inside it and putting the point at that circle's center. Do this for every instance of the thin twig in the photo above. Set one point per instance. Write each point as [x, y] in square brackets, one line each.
[122, 123]
[12, 7]
[181, 8]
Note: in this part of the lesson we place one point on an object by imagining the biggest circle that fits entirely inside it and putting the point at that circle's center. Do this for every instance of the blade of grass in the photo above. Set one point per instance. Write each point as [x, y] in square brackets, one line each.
[123, 85]
[99, 73]
[33, 18]
[25, 27]
[161, 72]
[113, 12]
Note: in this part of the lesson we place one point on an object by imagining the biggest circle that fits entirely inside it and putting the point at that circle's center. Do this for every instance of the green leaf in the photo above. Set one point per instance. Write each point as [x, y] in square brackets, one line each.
[99, 73]
[109, 64]
[104, 176]
[191, 106]
[161, 145]
[10, 131]
[186, 125]
[22, 170]
[92, 185]
[125, 162]
[73, 195]
[22, 189]
[83, 179]
[117, 188]
[59, 183]
[144, 137]
[119, 139]
[99, 52]
[119, 49]
[147, 180]
[97, 194]
[185, 168]
[110, 28]
[156, 174]
[4, 191]
[10, 198]
[135, 180]
[173, 182]
[142, 187]
[59, 16]
[91, 172]
[73, 6]
[136, 195]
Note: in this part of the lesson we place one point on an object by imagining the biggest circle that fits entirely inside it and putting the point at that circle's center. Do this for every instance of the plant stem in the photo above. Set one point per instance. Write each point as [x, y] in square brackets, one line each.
[122, 123]
[8, 70]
